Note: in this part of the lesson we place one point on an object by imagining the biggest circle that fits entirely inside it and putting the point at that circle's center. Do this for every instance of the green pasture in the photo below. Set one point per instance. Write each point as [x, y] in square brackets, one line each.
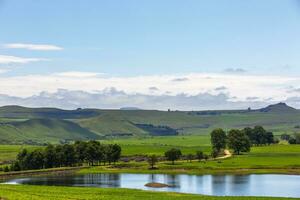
[24, 192]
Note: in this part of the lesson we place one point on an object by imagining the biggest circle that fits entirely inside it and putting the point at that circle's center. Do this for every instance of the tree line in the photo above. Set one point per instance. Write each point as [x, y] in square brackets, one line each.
[67, 155]
[174, 154]
[292, 139]
[240, 140]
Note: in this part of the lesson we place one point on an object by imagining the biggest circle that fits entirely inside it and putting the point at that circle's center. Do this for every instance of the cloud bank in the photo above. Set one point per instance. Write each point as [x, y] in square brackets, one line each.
[35, 47]
[199, 91]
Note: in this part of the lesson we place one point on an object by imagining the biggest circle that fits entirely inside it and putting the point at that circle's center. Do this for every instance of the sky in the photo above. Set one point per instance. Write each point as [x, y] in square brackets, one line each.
[186, 55]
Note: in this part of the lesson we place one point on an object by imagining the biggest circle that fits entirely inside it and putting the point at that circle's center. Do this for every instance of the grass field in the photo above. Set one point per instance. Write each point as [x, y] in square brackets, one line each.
[273, 156]
[9, 152]
[158, 145]
[265, 159]
[24, 192]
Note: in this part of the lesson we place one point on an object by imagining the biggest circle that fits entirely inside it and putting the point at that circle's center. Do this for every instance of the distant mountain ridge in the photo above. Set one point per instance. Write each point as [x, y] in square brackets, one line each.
[279, 107]
[41, 125]
[14, 111]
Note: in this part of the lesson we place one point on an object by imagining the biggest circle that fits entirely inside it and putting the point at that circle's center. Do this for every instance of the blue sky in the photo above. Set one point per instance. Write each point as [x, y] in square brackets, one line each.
[154, 37]
[135, 38]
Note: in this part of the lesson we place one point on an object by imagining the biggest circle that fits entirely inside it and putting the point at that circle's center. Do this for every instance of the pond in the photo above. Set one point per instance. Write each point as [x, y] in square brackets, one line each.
[219, 185]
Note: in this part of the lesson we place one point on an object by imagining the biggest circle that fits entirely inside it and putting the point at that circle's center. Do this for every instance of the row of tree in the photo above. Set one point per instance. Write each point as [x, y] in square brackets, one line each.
[175, 154]
[67, 155]
[259, 136]
[293, 139]
[240, 140]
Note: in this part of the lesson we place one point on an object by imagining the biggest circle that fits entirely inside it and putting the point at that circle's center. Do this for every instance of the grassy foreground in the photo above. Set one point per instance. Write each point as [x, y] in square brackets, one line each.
[20, 192]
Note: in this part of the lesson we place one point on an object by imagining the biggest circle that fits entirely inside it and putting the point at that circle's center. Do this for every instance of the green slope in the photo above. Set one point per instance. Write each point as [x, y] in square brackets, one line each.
[44, 130]
[93, 123]
[111, 124]
[23, 112]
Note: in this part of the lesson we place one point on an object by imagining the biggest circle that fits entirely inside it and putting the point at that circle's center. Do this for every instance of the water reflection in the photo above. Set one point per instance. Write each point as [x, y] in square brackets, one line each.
[231, 185]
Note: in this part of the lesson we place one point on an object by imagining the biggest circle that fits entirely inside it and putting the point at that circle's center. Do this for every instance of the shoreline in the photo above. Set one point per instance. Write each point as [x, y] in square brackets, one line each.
[105, 169]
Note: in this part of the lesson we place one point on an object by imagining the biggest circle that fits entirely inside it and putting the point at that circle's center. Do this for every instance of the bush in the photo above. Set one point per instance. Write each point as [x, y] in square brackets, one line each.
[189, 157]
[292, 141]
[6, 169]
[199, 155]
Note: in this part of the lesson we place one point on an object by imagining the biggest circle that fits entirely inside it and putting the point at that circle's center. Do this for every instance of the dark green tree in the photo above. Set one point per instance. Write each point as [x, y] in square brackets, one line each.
[80, 148]
[50, 156]
[189, 157]
[152, 160]
[70, 157]
[173, 154]
[238, 141]
[215, 153]
[116, 153]
[218, 139]
[199, 155]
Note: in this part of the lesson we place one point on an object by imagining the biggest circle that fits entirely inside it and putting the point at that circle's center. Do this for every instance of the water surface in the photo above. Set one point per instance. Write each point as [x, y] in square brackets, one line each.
[219, 185]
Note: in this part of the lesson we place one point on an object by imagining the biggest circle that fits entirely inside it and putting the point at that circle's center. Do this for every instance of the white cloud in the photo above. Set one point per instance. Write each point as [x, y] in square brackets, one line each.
[36, 47]
[5, 59]
[111, 98]
[78, 74]
[238, 87]
[235, 70]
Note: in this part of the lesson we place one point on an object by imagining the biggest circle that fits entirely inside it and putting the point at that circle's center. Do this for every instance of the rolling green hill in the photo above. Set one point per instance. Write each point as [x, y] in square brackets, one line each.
[23, 112]
[43, 131]
[20, 124]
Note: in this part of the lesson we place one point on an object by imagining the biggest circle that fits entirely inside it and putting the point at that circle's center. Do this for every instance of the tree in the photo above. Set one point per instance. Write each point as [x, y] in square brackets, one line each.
[218, 139]
[90, 154]
[269, 138]
[70, 155]
[199, 155]
[249, 132]
[152, 160]
[21, 157]
[292, 141]
[238, 141]
[189, 157]
[15, 166]
[285, 137]
[66, 155]
[35, 159]
[49, 156]
[214, 153]
[259, 135]
[116, 153]
[173, 154]
[297, 137]
[80, 148]
[6, 169]
[59, 154]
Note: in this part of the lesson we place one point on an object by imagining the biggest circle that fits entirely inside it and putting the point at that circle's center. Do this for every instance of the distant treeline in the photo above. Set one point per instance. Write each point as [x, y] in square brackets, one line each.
[67, 155]
[292, 139]
[259, 136]
[240, 140]
[157, 130]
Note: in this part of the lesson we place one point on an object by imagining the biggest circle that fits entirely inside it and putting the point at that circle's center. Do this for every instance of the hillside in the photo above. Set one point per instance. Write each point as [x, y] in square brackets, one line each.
[23, 112]
[111, 125]
[279, 108]
[43, 131]
[20, 124]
